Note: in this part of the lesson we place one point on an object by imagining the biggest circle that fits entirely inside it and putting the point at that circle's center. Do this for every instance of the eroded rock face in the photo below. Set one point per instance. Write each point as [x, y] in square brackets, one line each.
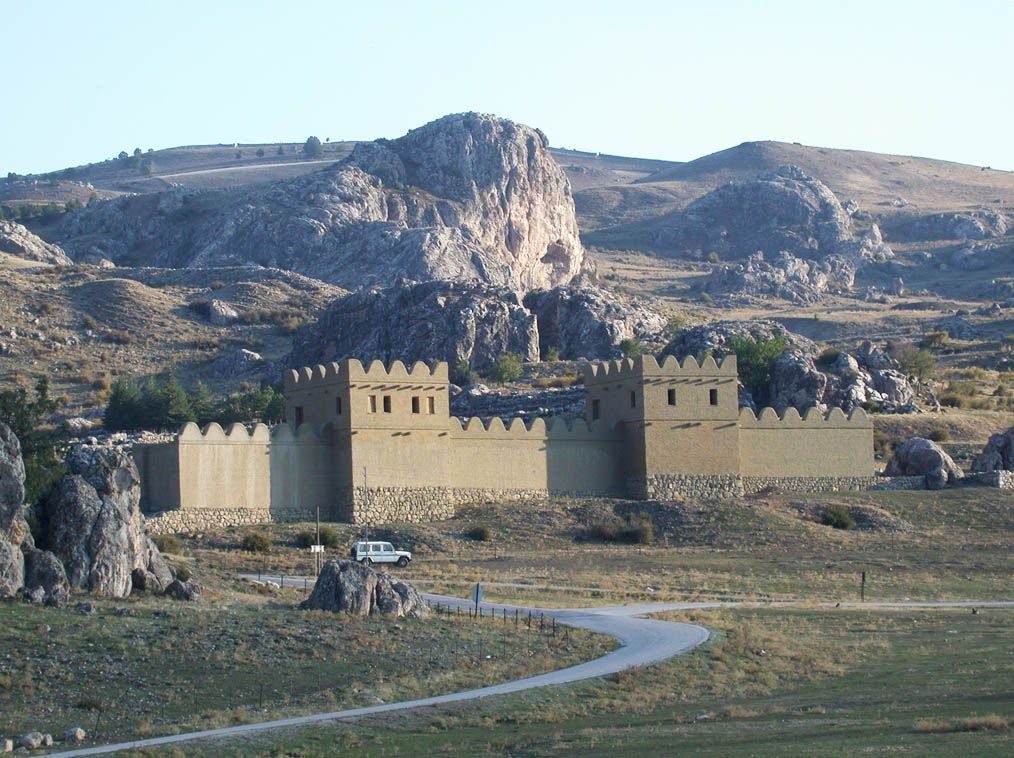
[787, 277]
[15, 239]
[998, 454]
[782, 210]
[451, 321]
[922, 457]
[13, 527]
[589, 322]
[358, 590]
[976, 225]
[715, 336]
[95, 525]
[467, 196]
[45, 578]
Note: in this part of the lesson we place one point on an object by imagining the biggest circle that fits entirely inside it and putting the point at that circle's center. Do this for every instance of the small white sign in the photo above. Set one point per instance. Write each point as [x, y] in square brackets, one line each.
[316, 548]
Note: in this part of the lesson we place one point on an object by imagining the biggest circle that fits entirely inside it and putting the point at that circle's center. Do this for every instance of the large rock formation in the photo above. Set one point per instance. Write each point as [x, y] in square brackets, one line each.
[998, 454]
[17, 240]
[974, 225]
[786, 277]
[921, 457]
[13, 527]
[451, 321]
[589, 322]
[468, 196]
[715, 336]
[95, 525]
[358, 590]
[781, 210]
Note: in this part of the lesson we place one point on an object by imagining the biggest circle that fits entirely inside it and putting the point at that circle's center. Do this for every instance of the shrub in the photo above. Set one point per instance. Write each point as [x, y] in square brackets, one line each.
[479, 533]
[256, 542]
[506, 368]
[939, 435]
[837, 516]
[632, 530]
[168, 543]
[312, 148]
[120, 337]
[183, 573]
[552, 354]
[827, 357]
[630, 347]
[328, 538]
[200, 307]
[918, 363]
[934, 339]
[754, 361]
[88, 322]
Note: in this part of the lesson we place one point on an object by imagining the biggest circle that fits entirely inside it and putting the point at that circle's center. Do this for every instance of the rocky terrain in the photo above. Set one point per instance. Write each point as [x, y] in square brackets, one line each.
[90, 526]
[465, 197]
[16, 240]
[358, 590]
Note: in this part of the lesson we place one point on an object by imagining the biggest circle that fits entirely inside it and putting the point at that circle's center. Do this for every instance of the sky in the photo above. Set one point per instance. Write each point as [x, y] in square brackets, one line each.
[669, 80]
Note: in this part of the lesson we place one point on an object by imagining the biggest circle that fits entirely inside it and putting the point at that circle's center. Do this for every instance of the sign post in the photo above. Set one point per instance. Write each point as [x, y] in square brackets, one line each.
[477, 596]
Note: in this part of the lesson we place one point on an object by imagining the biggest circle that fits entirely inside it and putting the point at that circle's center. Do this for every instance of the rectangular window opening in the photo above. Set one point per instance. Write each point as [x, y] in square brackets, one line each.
[415, 405]
[633, 399]
[299, 415]
[671, 396]
[713, 397]
[387, 403]
[371, 404]
[595, 409]
[338, 406]
[431, 405]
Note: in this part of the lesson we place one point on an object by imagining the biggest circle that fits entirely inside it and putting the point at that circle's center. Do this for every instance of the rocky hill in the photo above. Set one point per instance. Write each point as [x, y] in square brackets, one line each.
[465, 197]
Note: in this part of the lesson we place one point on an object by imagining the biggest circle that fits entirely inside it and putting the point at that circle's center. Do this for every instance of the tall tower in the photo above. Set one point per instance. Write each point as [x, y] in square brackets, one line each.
[679, 421]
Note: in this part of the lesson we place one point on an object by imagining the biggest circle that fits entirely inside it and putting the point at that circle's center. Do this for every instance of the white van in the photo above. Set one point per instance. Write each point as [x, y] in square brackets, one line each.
[380, 552]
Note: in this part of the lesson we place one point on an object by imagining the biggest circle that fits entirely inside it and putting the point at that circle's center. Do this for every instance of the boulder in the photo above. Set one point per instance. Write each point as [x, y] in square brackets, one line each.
[6, 745]
[95, 526]
[975, 225]
[15, 239]
[796, 382]
[75, 735]
[237, 363]
[715, 336]
[787, 277]
[588, 322]
[358, 590]
[32, 740]
[921, 457]
[188, 590]
[451, 321]
[221, 313]
[468, 196]
[43, 571]
[998, 454]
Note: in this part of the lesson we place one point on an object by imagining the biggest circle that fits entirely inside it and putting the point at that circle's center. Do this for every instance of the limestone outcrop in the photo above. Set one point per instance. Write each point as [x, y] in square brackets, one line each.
[95, 525]
[15, 239]
[974, 225]
[786, 277]
[589, 322]
[921, 457]
[468, 196]
[998, 454]
[356, 589]
[13, 527]
[443, 320]
[715, 336]
[780, 210]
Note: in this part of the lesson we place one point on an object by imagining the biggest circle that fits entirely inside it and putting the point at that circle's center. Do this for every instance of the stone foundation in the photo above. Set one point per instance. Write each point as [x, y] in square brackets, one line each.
[672, 486]
[382, 505]
[1001, 479]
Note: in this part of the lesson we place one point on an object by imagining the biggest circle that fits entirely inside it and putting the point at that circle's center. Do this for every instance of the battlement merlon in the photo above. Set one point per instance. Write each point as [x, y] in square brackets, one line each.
[351, 370]
[646, 366]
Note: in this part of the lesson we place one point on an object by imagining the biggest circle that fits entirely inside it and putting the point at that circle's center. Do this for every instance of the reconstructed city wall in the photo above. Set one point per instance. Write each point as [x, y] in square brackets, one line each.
[309, 469]
[828, 447]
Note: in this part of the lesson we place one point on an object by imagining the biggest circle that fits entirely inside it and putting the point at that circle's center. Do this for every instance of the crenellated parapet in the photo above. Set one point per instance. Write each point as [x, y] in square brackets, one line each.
[813, 418]
[235, 434]
[352, 370]
[647, 365]
[539, 429]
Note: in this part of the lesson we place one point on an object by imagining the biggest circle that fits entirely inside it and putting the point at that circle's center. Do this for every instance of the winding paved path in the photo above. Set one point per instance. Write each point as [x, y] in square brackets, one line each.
[642, 641]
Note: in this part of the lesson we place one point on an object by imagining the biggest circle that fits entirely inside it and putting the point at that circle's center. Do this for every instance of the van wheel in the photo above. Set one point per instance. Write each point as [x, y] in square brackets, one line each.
[402, 562]
[367, 561]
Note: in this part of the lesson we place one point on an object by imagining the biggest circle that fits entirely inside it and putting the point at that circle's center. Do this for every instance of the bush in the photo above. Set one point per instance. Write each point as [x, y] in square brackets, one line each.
[631, 530]
[939, 435]
[120, 337]
[911, 360]
[168, 543]
[754, 361]
[827, 357]
[934, 339]
[479, 533]
[630, 348]
[183, 573]
[506, 368]
[838, 516]
[552, 354]
[312, 148]
[256, 542]
[328, 538]
[88, 322]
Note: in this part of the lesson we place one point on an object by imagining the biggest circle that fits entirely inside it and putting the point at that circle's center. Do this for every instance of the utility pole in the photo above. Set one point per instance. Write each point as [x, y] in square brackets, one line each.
[317, 556]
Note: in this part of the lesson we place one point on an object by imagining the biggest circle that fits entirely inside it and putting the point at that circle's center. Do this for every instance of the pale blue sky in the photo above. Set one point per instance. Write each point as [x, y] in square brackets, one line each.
[672, 80]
